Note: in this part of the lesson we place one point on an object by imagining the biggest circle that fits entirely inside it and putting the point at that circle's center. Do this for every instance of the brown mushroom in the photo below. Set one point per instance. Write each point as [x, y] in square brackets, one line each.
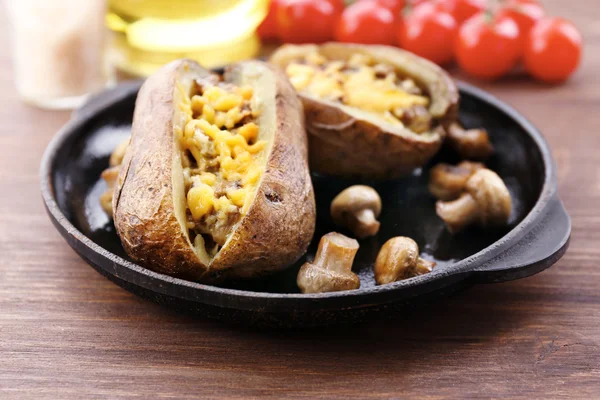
[116, 158]
[331, 270]
[473, 144]
[357, 209]
[110, 176]
[447, 182]
[399, 259]
[486, 202]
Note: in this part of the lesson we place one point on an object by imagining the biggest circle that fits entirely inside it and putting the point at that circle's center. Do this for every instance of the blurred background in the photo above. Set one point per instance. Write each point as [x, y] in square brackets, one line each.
[85, 46]
[67, 332]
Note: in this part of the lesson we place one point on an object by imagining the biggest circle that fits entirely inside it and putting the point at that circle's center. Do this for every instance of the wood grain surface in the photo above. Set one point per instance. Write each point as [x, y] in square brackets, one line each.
[68, 333]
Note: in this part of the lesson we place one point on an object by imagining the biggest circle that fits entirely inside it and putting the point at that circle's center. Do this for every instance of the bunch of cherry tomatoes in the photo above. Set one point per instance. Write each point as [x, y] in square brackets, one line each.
[486, 38]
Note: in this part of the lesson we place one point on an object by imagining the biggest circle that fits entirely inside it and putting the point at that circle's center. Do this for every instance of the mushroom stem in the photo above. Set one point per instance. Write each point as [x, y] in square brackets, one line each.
[365, 223]
[331, 270]
[423, 267]
[458, 213]
[336, 252]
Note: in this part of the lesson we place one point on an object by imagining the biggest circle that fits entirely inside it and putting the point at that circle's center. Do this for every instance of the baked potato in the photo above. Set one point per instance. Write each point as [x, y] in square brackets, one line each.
[215, 182]
[371, 111]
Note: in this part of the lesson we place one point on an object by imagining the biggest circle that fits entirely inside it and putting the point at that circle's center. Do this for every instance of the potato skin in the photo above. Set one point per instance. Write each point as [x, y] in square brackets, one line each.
[281, 221]
[351, 147]
[344, 144]
[279, 224]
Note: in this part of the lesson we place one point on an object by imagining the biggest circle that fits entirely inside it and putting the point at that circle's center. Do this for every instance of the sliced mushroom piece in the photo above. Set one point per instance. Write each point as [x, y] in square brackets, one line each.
[116, 158]
[110, 176]
[399, 259]
[331, 270]
[486, 202]
[447, 182]
[357, 209]
[472, 144]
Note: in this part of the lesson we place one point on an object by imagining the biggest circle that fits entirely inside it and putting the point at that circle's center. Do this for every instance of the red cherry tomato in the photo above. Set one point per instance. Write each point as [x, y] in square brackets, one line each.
[553, 50]
[428, 32]
[462, 10]
[525, 13]
[528, 1]
[488, 47]
[339, 5]
[366, 22]
[395, 6]
[306, 21]
[267, 30]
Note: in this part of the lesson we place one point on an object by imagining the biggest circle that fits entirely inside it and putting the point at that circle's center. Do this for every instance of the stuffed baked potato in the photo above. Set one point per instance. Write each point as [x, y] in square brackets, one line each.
[215, 183]
[371, 111]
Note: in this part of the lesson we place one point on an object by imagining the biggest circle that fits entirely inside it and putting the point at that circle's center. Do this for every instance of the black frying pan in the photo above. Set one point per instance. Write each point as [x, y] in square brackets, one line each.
[537, 236]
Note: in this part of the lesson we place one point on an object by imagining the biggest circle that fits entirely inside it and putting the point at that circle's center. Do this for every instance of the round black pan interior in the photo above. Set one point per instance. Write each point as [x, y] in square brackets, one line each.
[408, 208]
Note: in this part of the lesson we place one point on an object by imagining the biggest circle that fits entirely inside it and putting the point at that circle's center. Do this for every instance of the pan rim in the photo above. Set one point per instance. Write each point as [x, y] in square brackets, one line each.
[169, 285]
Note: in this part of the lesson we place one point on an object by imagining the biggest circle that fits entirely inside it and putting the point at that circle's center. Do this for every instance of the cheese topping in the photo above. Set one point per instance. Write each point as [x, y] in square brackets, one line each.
[362, 83]
[222, 159]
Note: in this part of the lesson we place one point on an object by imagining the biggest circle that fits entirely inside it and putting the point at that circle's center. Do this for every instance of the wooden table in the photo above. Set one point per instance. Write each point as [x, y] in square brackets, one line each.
[67, 332]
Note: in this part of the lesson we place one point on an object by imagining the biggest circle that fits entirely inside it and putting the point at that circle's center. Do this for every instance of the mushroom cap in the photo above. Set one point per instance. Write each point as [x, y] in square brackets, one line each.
[471, 166]
[395, 258]
[492, 197]
[470, 143]
[354, 199]
[447, 182]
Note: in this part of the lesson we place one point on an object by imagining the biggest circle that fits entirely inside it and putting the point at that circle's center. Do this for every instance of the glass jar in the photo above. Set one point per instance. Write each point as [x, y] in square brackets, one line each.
[57, 50]
[151, 33]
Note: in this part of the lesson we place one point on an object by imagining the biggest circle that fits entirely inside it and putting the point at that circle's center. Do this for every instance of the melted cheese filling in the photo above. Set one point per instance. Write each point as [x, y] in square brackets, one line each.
[362, 83]
[222, 159]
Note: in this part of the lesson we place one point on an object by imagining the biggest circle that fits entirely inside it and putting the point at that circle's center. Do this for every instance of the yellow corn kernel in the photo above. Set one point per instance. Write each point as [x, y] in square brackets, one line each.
[220, 119]
[237, 196]
[200, 200]
[227, 101]
[325, 86]
[258, 146]
[208, 129]
[253, 175]
[247, 92]
[239, 151]
[249, 131]
[300, 75]
[208, 113]
[236, 140]
[190, 128]
[316, 58]
[196, 154]
[243, 158]
[223, 149]
[227, 164]
[208, 178]
[213, 93]
[334, 67]
[222, 203]
[198, 103]
[233, 116]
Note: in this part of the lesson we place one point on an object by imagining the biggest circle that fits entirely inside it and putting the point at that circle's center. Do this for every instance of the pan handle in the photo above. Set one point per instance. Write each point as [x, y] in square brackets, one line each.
[534, 252]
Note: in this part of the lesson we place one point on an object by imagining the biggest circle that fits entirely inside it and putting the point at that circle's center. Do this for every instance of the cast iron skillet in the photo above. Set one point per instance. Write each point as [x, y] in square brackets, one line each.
[537, 237]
